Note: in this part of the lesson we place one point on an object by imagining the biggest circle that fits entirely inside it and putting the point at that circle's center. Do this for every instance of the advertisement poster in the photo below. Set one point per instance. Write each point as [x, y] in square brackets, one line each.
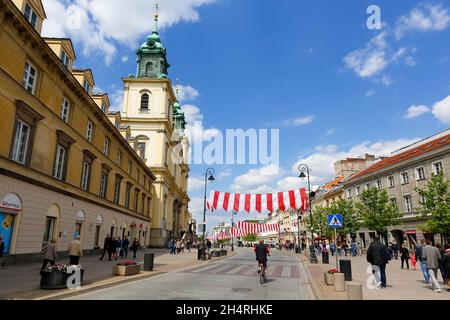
[6, 229]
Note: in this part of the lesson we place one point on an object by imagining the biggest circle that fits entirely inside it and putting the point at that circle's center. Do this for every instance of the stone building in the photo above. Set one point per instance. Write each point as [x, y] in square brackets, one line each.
[65, 168]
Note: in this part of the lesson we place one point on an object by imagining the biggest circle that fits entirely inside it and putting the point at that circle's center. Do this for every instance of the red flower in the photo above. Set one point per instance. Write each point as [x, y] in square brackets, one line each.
[332, 271]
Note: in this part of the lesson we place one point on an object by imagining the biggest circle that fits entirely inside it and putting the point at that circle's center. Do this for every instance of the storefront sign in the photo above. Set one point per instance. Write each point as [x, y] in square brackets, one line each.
[411, 232]
[11, 202]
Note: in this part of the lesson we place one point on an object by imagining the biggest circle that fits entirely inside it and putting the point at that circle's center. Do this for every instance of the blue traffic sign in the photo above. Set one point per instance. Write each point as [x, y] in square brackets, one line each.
[335, 221]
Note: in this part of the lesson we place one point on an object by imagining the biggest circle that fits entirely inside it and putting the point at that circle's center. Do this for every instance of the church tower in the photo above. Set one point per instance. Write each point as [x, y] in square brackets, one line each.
[154, 116]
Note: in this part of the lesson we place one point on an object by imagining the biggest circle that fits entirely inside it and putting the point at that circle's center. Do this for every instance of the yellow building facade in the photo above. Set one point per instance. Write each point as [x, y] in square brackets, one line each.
[65, 167]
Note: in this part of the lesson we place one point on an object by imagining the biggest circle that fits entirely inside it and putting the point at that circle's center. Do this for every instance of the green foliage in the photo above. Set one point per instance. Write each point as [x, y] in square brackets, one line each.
[250, 237]
[436, 208]
[376, 212]
[320, 222]
[200, 238]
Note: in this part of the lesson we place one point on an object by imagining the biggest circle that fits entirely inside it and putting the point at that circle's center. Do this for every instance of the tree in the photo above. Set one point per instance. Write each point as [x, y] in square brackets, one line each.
[250, 237]
[376, 211]
[436, 208]
[320, 222]
[350, 217]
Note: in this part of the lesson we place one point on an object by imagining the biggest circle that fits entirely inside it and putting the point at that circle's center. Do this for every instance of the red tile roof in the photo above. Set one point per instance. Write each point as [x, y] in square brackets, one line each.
[407, 155]
[335, 182]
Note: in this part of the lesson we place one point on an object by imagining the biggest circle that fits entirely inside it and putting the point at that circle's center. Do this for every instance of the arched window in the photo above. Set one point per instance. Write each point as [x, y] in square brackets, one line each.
[149, 69]
[144, 101]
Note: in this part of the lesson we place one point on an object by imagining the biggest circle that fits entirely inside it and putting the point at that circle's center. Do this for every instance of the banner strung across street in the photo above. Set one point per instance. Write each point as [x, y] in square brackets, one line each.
[243, 229]
[262, 203]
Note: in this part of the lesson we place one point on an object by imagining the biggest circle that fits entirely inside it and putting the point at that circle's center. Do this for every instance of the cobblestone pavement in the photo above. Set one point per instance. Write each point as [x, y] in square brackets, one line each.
[233, 278]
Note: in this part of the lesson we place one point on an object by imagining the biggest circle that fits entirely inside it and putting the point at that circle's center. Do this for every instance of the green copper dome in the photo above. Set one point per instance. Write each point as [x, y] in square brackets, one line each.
[152, 58]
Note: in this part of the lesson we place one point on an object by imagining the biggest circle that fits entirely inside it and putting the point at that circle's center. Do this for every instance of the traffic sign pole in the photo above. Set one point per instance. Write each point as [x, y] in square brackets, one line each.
[337, 255]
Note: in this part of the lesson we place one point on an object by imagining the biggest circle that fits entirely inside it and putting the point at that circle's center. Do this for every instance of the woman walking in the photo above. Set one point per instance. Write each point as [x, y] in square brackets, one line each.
[113, 248]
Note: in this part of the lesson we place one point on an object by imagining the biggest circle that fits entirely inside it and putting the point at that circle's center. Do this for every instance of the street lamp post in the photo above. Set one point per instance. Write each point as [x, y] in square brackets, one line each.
[232, 229]
[209, 176]
[298, 231]
[303, 168]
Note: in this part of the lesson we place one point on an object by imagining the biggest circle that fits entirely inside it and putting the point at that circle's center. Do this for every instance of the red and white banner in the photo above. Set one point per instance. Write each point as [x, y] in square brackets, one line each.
[262, 203]
[254, 228]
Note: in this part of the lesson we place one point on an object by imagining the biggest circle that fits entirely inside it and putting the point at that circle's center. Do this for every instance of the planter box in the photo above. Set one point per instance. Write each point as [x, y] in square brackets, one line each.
[328, 277]
[207, 256]
[126, 270]
[56, 279]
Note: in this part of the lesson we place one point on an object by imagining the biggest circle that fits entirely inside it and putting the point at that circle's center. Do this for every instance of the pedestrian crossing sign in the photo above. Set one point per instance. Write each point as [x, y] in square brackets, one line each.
[335, 221]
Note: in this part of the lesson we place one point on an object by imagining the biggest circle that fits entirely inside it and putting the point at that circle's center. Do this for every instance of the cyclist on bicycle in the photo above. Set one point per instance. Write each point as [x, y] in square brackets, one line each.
[262, 251]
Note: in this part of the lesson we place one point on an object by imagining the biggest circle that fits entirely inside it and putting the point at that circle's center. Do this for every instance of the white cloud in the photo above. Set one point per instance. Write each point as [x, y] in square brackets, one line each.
[186, 93]
[441, 110]
[299, 121]
[102, 24]
[415, 111]
[116, 99]
[386, 80]
[330, 132]
[225, 173]
[196, 183]
[258, 179]
[124, 58]
[424, 18]
[370, 93]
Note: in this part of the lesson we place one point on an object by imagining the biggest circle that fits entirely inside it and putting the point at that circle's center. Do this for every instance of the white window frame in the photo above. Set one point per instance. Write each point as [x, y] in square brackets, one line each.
[408, 204]
[86, 86]
[65, 58]
[20, 146]
[32, 14]
[85, 175]
[358, 191]
[104, 107]
[65, 109]
[379, 184]
[119, 158]
[59, 162]
[391, 181]
[418, 175]
[89, 131]
[367, 185]
[402, 177]
[422, 200]
[106, 147]
[433, 166]
[103, 183]
[29, 80]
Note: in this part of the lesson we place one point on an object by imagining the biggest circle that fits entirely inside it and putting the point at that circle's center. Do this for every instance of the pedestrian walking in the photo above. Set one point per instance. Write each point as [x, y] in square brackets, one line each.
[447, 264]
[378, 257]
[395, 250]
[125, 245]
[412, 256]
[421, 260]
[113, 248]
[134, 247]
[119, 248]
[432, 255]
[48, 254]
[178, 246]
[171, 246]
[208, 245]
[75, 251]
[353, 248]
[2, 250]
[404, 256]
[106, 245]
[441, 261]
[332, 248]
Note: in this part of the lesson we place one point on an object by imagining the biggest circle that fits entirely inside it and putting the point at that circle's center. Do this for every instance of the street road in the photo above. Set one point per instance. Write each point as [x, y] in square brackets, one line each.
[233, 278]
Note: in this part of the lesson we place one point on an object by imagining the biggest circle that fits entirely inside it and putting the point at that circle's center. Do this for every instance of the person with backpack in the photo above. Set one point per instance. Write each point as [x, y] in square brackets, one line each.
[378, 257]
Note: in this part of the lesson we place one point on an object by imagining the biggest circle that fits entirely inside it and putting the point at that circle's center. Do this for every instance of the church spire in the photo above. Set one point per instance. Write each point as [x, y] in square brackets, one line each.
[156, 16]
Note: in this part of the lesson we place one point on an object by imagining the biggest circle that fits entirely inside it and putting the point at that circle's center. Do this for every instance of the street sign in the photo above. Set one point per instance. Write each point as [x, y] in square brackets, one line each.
[335, 221]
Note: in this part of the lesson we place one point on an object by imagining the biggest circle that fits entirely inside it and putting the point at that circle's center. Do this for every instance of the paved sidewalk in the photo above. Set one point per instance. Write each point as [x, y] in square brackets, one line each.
[403, 284]
[22, 281]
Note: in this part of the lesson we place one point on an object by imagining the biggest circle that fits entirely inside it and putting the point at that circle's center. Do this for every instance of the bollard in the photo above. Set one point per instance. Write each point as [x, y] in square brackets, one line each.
[148, 261]
[354, 291]
[345, 266]
[325, 258]
[339, 282]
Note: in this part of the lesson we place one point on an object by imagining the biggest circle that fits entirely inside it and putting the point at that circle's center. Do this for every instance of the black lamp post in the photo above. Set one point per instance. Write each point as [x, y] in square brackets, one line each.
[304, 173]
[209, 176]
[298, 231]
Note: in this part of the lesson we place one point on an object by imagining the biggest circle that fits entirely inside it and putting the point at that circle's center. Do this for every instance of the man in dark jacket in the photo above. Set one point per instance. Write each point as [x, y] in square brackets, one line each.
[378, 257]
[106, 246]
[422, 260]
[261, 252]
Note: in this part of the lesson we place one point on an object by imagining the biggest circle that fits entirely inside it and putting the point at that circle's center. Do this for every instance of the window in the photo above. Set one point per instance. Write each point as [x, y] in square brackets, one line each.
[437, 167]
[368, 185]
[89, 131]
[423, 200]
[85, 173]
[86, 86]
[97, 236]
[127, 195]
[379, 184]
[420, 174]
[393, 201]
[117, 188]
[50, 223]
[404, 177]
[116, 124]
[142, 203]
[358, 191]
[136, 197]
[104, 107]
[29, 78]
[59, 162]
[106, 147]
[119, 158]
[148, 206]
[129, 167]
[65, 58]
[141, 150]
[104, 183]
[65, 109]
[349, 193]
[138, 175]
[144, 101]
[20, 144]
[391, 181]
[408, 204]
[30, 15]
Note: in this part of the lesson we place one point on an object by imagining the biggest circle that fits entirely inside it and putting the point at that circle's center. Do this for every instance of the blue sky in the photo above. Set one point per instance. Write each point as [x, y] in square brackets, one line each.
[312, 69]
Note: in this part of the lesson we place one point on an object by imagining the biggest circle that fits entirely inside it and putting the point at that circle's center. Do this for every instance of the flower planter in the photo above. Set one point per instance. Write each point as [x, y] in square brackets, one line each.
[328, 277]
[126, 270]
[51, 280]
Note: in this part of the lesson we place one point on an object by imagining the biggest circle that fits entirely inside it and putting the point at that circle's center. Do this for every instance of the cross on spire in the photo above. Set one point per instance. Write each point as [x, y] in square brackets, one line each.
[177, 89]
[156, 16]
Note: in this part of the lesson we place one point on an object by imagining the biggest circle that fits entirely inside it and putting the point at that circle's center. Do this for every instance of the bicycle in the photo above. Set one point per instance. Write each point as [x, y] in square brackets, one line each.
[262, 273]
